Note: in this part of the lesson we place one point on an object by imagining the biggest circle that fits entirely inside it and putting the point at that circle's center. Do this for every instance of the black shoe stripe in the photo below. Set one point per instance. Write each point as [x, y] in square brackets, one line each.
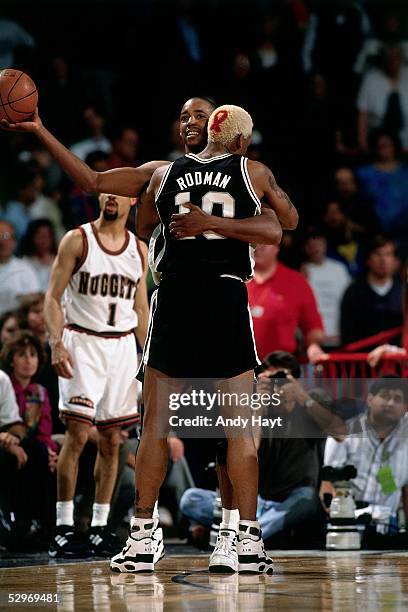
[253, 559]
[137, 559]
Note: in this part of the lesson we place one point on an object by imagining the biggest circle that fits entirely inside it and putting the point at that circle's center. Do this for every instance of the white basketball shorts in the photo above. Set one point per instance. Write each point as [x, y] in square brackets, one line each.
[103, 390]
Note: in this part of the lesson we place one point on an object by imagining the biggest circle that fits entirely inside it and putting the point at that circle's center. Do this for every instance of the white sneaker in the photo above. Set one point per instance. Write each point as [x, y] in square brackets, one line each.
[252, 558]
[140, 552]
[224, 558]
[157, 535]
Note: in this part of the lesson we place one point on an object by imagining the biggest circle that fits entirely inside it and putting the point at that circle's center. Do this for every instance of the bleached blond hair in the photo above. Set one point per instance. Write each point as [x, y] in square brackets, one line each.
[227, 122]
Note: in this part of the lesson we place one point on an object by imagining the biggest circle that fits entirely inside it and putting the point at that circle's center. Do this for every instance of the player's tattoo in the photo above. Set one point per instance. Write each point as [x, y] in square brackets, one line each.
[279, 192]
[147, 510]
[140, 509]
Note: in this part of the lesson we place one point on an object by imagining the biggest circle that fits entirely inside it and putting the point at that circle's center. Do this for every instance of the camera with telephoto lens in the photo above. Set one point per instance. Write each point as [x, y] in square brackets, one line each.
[344, 532]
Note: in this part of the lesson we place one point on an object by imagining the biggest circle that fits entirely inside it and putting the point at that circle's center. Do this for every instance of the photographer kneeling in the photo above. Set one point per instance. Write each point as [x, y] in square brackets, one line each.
[377, 446]
[290, 457]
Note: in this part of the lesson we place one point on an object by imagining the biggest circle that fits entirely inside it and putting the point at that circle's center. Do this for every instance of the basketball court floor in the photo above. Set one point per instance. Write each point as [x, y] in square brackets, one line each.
[303, 580]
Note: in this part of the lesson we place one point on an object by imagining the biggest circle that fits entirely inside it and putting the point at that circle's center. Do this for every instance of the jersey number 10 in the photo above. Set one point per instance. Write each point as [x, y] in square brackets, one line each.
[207, 204]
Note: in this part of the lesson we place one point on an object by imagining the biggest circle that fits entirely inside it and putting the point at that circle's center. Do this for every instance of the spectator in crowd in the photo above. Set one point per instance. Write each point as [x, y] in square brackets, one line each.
[342, 24]
[376, 445]
[373, 303]
[28, 187]
[47, 207]
[30, 317]
[334, 25]
[189, 37]
[8, 326]
[177, 481]
[175, 142]
[17, 278]
[290, 458]
[61, 96]
[319, 132]
[240, 81]
[30, 202]
[125, 152]
[97, 141]
[374, 357]
[29, 480]
[12, 36]
[39, 248]
[382, 101]
[385, 182]
[12, 455]
[83, 207]
[345, 239]
[10, 419]
[357, 206]
[289, 461]
[281, 301]
[390, 32]
[22, 358]
[328, 279]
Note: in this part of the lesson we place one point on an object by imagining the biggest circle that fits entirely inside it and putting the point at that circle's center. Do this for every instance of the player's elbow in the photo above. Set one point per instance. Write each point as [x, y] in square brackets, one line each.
[91, 182]
[144, 230]
[293, 221]
[274, 234]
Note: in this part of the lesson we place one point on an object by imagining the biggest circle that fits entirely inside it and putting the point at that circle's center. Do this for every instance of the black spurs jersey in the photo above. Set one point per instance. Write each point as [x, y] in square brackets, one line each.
[220, 186]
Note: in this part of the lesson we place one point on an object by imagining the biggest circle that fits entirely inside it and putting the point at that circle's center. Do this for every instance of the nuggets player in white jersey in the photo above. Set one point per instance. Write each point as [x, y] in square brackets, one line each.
[95, 305]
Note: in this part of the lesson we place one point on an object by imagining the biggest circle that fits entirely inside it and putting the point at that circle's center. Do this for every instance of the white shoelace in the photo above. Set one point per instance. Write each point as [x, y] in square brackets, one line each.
[223, 546]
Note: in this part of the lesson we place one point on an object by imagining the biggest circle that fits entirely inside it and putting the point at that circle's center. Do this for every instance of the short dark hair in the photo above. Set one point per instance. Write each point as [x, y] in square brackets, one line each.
[378, 242]
[96, 156]
[19, 341]
[27, 302]
[389, 382]
[6, 316]
[207, 99]
[375, 135]
[284, 360]
[27, 247]
[313, 232]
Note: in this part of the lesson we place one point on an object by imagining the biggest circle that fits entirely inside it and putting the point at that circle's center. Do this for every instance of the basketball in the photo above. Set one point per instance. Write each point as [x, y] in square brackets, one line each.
[18, 96]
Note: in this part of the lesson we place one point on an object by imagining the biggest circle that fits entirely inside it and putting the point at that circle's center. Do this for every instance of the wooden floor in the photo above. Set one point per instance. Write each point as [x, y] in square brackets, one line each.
[303, 580]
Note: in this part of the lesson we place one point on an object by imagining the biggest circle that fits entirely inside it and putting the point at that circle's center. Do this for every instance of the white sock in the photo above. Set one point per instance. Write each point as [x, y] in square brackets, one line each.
[246, 526]
[230, 519]
[156, 511]
[100, 513]
[65, 512]
[141, 524]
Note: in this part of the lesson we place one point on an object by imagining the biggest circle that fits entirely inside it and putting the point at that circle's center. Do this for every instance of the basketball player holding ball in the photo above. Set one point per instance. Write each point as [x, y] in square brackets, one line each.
[130, 181]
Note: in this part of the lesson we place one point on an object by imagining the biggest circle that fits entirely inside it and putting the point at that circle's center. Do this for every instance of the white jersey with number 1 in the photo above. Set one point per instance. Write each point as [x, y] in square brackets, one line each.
[101, 293]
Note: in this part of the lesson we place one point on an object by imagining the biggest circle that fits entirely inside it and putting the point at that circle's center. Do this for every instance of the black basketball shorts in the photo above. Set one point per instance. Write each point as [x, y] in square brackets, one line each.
[200, 327]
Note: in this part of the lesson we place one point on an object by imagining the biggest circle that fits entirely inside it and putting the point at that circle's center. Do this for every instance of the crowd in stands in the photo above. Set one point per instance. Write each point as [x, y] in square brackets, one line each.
[327, 86]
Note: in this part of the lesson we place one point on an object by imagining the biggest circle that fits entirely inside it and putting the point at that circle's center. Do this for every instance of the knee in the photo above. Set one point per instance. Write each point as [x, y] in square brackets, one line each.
[109, 442]
[75, 441]
[245, 446]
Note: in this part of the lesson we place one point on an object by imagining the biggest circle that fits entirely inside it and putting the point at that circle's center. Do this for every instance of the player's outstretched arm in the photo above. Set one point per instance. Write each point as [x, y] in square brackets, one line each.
[272, 195]
[119, 181]
[141, 300]
[147, 216]
[69, 253]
